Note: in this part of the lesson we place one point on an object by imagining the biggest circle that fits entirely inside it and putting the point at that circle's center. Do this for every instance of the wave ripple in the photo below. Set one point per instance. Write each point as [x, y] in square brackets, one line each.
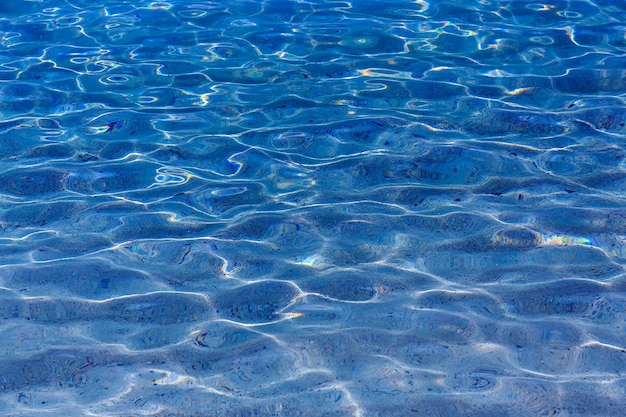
[329, 208]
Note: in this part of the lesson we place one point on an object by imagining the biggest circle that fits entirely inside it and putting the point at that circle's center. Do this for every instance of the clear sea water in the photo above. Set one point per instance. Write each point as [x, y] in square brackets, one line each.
[312, 208]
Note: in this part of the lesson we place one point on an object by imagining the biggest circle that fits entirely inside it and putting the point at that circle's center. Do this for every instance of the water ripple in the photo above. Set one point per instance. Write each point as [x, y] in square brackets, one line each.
[312, 208]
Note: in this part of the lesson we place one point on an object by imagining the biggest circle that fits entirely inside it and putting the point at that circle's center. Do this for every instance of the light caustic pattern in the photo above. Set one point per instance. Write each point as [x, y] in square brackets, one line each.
[324, 208]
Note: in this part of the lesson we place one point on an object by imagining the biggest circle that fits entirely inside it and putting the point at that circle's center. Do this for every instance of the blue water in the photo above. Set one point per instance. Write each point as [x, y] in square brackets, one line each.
[312, 208]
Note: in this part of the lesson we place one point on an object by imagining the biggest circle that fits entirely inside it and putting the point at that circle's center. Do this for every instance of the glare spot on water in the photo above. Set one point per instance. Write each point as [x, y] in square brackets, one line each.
[569, 14]
[172, 176]
[291, 315]
[114, 79]
[561, 240]
[192, 14]
[159, 5]
[79, 60]
[98, 129]
[383, 73]
[544, 40]
[538, 7]
[147, 99]
[424, 5]
[173, 378]
[313, 261]
[519, 91]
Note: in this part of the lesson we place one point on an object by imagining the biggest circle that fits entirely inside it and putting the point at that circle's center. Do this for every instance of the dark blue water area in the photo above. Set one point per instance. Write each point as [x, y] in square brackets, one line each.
[312, 208]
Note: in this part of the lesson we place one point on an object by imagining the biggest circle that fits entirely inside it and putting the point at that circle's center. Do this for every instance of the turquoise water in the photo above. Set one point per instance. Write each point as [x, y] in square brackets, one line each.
[312, 208]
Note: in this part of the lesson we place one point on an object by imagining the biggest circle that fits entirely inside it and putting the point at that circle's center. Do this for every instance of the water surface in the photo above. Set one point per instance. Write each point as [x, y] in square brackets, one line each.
[312, 208]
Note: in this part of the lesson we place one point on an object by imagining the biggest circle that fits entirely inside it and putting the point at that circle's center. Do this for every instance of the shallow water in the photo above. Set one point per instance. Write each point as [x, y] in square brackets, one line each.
[319, 208]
